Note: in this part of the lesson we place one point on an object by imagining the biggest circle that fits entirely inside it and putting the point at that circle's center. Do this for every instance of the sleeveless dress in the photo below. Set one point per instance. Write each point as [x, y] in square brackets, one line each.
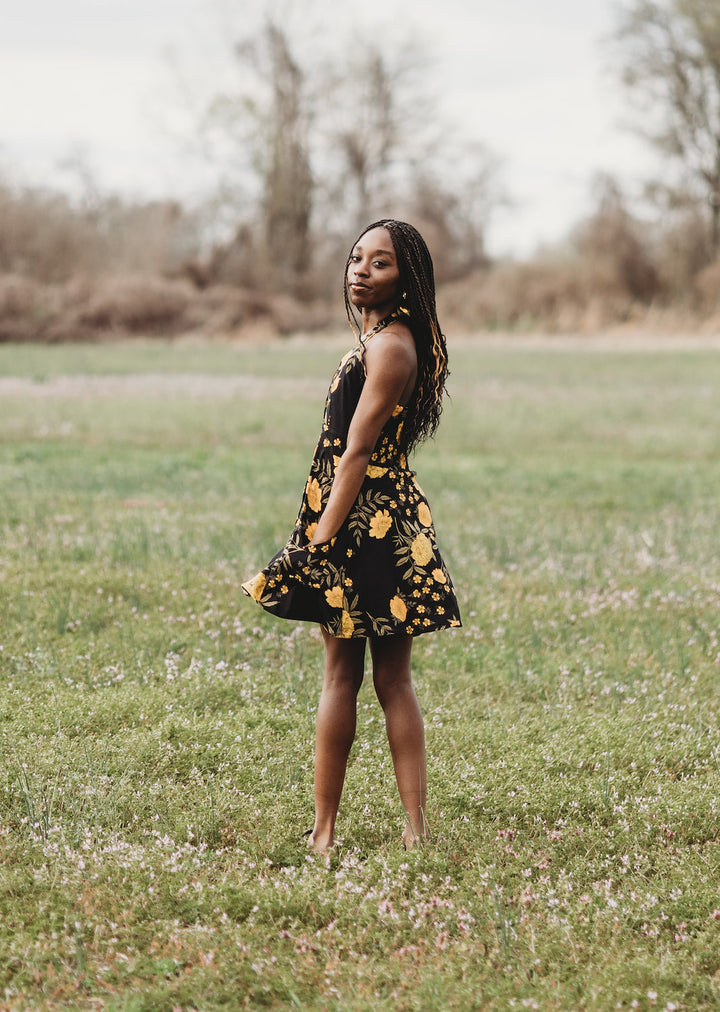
[382, 573]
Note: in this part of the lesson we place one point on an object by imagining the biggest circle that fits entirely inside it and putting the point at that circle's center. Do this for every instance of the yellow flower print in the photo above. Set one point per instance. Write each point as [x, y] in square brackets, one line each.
[334, 597]
[375, 472]
[380, 524]
[398, 608]
[336, 460]
[348, 626]
[314, 495]
[256, 586]
[310, 531]
[439, 576]
[421, 550]
[424, 514]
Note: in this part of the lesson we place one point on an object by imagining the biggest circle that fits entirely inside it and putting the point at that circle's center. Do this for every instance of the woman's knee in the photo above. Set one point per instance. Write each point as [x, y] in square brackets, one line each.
[344, 662]
[391, 667]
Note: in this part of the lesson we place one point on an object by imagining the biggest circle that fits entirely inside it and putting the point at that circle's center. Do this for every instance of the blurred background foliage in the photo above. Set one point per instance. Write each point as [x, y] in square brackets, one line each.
[309, 151]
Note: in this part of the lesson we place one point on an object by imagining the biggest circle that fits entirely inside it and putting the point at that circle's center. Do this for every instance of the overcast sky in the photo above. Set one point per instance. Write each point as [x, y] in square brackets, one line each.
[93, 78]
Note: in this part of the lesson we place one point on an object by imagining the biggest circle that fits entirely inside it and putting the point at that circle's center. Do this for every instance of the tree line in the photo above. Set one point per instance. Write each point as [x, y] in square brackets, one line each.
[308, 150]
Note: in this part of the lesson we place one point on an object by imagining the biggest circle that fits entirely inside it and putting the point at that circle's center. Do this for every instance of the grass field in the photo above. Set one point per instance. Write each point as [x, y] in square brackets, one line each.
[157, 727]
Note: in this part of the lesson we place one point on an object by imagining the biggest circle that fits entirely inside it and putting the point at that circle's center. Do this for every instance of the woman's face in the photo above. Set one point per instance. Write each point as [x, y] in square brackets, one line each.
[373, 276]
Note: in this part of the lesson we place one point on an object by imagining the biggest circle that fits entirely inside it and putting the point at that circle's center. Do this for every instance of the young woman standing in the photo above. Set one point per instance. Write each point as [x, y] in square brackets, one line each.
[362, 559]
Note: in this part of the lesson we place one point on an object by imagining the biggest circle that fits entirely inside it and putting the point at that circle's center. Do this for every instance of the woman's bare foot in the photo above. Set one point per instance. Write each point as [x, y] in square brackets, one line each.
[411, 840]
[319, 844]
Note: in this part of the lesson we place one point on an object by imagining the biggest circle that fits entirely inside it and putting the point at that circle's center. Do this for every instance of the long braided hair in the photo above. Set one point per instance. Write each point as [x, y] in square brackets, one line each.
[417, 285]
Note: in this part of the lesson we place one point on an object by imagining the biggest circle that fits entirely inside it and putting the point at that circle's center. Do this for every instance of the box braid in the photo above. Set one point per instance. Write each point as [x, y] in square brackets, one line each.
[417, 285]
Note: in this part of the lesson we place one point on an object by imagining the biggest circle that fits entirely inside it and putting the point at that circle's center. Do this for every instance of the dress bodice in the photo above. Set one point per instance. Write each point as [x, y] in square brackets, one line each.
[342, 399]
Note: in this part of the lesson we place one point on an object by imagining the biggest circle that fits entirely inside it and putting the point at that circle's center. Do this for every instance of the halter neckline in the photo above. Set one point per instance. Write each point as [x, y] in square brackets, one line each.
[385, 322]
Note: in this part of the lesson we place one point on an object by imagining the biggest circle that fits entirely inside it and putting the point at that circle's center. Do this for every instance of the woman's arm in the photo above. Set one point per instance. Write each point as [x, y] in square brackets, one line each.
[391, 366]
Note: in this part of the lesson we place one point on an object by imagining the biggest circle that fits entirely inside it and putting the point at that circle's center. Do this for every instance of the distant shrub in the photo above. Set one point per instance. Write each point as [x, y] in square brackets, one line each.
[87, 308]
[46, 236]
[136, 303]
[25, 306]
[706, 286]
[542, 293]
[19, 296]
[43, 237]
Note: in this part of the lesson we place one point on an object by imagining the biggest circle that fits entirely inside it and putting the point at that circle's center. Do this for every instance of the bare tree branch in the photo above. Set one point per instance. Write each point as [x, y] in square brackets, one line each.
[670, 63]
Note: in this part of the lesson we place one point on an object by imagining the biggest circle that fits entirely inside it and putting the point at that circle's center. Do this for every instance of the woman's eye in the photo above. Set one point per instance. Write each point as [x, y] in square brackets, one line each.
[379, 263]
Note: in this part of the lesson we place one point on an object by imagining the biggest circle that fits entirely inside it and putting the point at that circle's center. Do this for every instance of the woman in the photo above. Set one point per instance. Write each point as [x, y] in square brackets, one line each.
[362, 559]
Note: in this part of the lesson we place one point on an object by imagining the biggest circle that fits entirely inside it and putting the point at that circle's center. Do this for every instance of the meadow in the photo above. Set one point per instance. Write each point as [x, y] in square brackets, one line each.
[156, 726]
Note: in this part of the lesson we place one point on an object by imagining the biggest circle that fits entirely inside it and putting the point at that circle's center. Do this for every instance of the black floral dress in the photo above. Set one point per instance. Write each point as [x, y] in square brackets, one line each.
[382, 573]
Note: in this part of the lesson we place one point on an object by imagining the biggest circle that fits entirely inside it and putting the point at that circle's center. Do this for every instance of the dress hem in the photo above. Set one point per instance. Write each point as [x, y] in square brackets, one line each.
[454, 624]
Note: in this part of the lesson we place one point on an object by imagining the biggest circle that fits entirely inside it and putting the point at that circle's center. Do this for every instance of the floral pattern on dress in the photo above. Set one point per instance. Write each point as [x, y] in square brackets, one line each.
[382, 574]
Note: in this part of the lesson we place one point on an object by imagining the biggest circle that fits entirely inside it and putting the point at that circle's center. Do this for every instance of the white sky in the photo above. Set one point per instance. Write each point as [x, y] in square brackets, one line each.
[529, 78]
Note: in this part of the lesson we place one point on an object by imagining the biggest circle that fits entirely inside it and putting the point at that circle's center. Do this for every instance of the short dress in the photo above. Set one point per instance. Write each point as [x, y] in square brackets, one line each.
[382, 573]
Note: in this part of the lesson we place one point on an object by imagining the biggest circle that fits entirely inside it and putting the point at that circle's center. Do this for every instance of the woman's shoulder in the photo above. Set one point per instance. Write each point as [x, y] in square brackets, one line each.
[395, 341]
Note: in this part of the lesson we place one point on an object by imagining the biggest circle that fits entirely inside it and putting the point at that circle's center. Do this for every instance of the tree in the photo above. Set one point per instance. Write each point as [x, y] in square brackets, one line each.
[313, 146]
[393, 154]
[670, 62]
[371, 129]
[286, 174]
[616, 245]
[267, 121]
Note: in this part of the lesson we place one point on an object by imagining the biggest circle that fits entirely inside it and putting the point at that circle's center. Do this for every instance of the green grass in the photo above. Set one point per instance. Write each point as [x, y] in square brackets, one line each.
[156, 727]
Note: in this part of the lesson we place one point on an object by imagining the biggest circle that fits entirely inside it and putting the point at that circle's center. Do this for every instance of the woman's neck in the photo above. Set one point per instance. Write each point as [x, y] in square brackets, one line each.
[378, 324]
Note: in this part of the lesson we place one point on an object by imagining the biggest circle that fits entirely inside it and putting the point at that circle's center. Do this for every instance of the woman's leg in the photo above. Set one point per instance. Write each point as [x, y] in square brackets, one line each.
[405, 729]
[335, 731]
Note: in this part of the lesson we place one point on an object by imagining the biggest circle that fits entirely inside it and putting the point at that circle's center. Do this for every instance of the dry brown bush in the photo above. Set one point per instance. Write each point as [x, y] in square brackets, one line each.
[19, 296]
[25, 307]
[289, 314]
[43, 237]
[558, 294]
[87, 308]
[605, 274]
[136, 303]
[682, 251]
[706, 286]
[223, 309]
[510, 296]
[615, 255]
